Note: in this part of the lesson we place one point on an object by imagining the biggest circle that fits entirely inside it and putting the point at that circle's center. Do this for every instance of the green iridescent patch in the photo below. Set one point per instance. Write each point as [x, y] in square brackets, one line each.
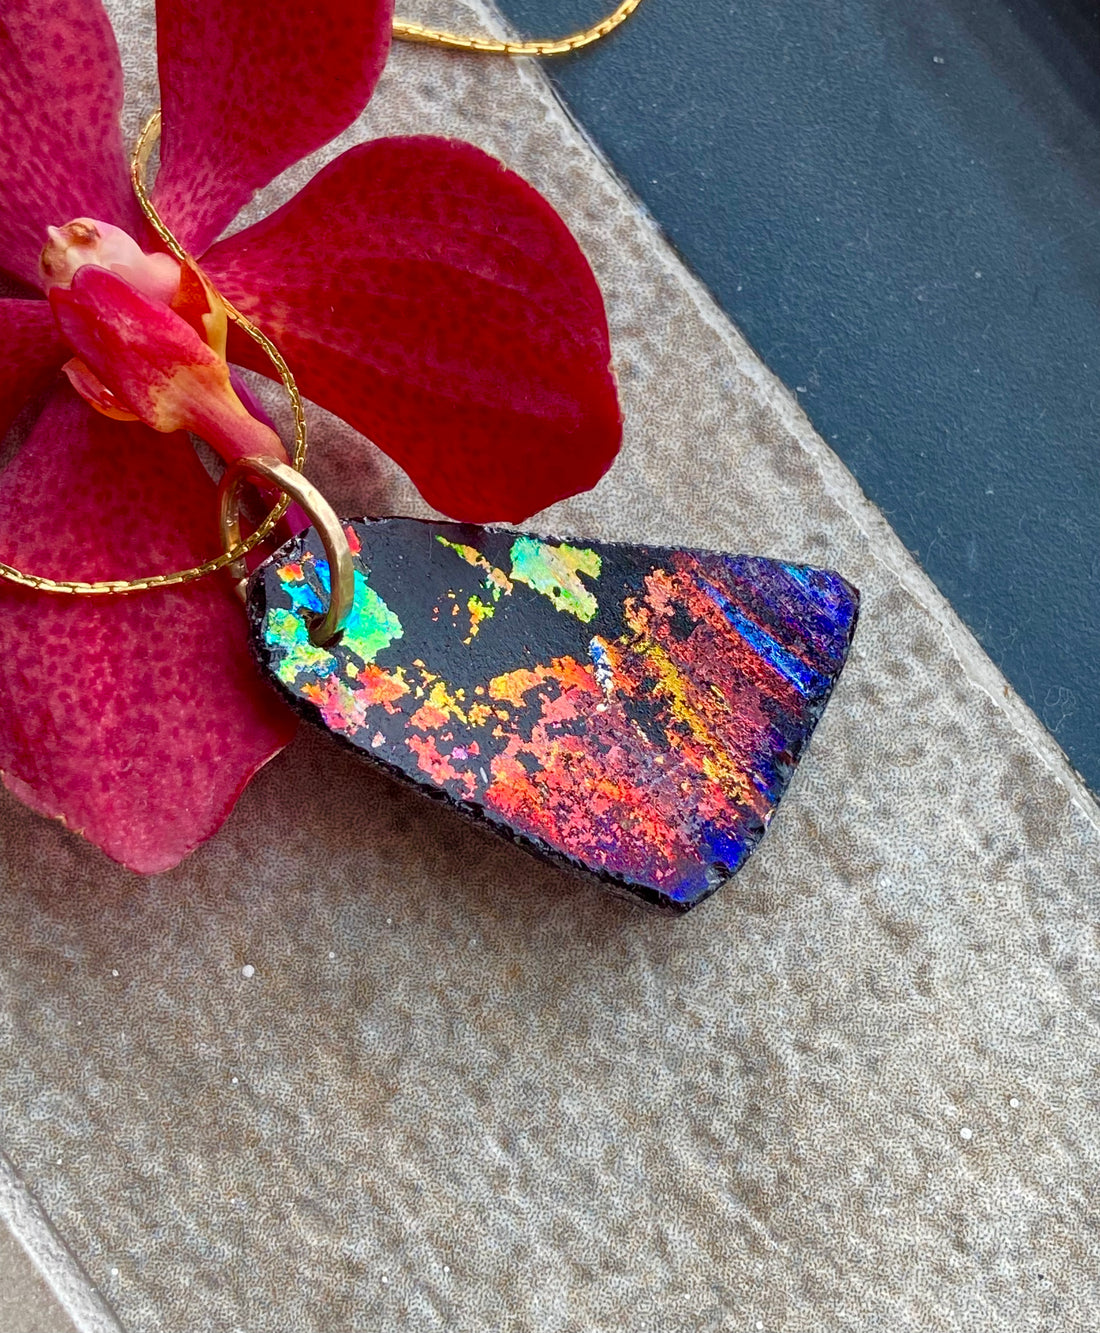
[555, 572]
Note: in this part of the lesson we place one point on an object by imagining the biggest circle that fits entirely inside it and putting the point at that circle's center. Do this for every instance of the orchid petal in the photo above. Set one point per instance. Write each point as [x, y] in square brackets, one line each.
[136, 720]
[155, 364]
[436, 302]
[61, 152]
[31, 351]
[248, 88]
[92, 389]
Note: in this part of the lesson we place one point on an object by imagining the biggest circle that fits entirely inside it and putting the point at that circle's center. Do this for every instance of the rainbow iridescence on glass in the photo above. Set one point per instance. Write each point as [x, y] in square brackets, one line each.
[635, 711]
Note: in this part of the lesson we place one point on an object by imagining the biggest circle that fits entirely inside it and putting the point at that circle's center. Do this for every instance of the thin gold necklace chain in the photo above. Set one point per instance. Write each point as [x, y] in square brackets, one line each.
[490, 46]
[146, 141]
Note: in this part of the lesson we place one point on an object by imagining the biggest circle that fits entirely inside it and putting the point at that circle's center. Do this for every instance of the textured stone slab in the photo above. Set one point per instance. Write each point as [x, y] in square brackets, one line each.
[356, 1066]
[634, 712]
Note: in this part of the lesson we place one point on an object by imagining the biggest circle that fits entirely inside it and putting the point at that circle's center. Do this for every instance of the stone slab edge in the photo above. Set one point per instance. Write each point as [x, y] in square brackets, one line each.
[25, 1220]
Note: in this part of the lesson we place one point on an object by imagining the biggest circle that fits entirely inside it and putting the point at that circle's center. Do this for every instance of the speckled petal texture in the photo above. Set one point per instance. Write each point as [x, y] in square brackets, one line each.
[61, 153]
[228, 74]
[31, 352]
[137, 720]
[438, 304]
[853, 1093]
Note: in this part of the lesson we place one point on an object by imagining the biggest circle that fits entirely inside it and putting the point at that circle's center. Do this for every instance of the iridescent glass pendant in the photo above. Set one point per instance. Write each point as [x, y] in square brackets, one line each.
[635, 712]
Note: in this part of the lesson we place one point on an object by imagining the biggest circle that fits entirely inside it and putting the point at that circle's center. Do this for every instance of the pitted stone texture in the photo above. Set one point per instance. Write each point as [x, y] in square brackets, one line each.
[458, 1091]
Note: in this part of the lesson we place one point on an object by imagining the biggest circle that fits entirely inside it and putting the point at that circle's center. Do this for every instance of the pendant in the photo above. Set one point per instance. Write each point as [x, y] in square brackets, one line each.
[635, 712]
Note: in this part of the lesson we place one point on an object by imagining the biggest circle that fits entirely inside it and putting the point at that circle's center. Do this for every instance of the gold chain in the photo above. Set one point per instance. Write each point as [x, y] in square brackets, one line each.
[408, 32]
[416, 32]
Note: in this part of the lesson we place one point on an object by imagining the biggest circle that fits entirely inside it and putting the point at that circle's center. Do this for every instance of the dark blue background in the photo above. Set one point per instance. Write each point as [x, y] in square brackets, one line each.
[898, 201]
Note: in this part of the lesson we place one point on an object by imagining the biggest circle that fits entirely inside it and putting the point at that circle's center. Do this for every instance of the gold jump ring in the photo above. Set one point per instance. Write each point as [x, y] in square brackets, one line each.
[320, 513]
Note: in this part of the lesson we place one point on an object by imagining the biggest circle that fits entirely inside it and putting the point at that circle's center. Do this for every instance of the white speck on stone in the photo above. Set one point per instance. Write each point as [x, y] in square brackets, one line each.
[114, 1272]
[114, 971]
[760, 1323]
[233, 1079]
[248, 971]
[389, 921]
[446, 1268]
[938, 60]
[385, 1279]
[331, 955]
[966, 1133]
[1014, 1102]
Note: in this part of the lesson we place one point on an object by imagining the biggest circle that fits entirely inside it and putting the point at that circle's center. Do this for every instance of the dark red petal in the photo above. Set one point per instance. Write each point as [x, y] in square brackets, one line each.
[436, 302]
[250, 86]
[31, 352]
[137, 720]
[61, 152]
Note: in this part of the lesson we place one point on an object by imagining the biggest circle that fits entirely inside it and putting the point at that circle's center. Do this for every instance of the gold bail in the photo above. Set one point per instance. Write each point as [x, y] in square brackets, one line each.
[324, 628]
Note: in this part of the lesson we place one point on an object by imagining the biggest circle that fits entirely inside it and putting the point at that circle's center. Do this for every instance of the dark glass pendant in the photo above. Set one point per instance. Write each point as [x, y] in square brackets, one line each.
[632, 711]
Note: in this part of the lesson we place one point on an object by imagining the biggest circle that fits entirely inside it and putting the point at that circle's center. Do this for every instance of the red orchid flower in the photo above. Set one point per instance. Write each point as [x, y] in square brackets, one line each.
[417, 289]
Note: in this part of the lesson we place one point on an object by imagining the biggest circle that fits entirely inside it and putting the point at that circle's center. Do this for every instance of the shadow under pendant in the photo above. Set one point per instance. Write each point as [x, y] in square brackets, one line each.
[635, 712]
